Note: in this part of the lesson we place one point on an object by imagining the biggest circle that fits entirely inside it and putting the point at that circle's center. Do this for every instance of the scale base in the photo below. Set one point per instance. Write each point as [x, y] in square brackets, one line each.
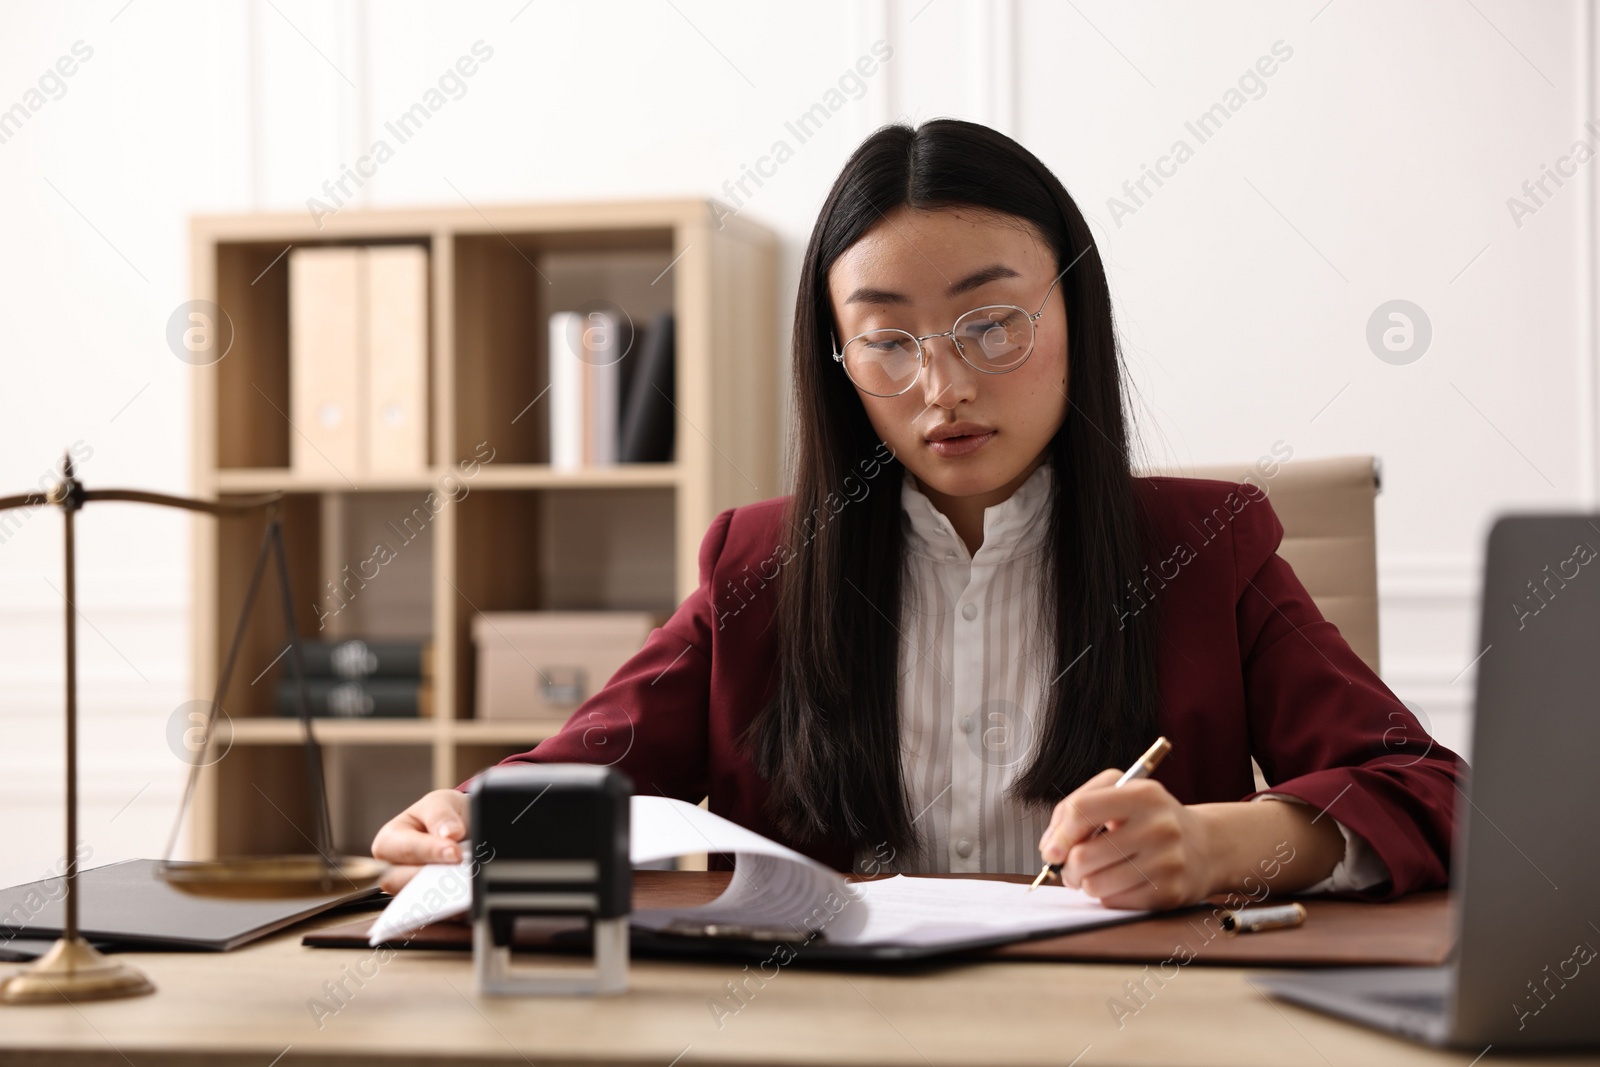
[72, 971]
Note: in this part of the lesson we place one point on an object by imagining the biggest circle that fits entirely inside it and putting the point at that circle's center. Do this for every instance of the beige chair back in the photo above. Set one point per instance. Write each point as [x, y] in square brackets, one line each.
[1329, 535]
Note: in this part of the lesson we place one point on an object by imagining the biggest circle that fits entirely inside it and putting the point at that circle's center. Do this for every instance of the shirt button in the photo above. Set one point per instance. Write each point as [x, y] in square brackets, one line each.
[963, 848]
[969, 612]
[950, 554]
[967, 725]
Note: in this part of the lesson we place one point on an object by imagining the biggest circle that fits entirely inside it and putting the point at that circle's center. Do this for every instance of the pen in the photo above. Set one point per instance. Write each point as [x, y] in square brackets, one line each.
[1144, 767]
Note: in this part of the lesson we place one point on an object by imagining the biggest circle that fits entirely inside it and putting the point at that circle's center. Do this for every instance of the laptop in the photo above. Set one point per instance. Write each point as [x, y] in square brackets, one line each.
[1525, 878]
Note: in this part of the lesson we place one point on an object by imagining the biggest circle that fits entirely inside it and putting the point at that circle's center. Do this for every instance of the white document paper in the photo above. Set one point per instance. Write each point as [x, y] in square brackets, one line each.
[906, 910]
[777, 888]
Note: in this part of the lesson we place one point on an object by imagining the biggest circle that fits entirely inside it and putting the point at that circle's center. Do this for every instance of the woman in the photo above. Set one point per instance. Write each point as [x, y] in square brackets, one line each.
[935, 655]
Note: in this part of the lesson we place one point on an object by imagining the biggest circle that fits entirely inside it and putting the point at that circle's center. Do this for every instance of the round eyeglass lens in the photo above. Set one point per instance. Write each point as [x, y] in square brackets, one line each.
[883, 362]
[995, 338]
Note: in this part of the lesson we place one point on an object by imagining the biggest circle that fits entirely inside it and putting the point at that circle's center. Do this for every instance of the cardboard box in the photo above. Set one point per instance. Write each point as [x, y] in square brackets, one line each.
[543, 664]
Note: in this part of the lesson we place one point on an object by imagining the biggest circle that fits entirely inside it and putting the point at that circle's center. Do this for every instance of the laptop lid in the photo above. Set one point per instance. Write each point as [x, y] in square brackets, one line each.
[1527, 870]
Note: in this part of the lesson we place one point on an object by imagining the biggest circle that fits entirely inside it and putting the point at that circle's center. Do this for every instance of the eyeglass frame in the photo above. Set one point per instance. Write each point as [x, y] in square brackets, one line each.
[922, 352]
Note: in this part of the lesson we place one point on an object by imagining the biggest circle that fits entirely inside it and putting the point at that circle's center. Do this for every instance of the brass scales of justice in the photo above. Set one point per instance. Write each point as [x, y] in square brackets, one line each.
[73, 969]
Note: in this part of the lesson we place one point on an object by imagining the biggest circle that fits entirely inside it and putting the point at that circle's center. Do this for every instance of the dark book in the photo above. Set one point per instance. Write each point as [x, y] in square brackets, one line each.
[128, 905]
[357, 658]
[630, 342]
[645, 434]
[372, 698]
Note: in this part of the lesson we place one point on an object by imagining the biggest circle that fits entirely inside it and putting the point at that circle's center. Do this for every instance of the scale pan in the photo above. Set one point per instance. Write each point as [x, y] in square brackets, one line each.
[260, 877]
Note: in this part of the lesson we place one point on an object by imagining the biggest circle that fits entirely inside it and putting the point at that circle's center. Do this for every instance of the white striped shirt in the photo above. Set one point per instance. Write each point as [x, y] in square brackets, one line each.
[972, 655]
[970, 690]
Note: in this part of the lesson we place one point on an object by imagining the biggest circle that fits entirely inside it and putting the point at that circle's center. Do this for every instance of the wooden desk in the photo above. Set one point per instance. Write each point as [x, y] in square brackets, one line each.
[253, 1005]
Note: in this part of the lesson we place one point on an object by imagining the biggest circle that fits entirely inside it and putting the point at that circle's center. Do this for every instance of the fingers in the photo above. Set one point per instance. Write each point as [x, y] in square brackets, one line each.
[1070, 823]
[426, 832]
[1146, 861]
[444, 812]
[402, 841]
[1092, 805]
[1136, 843]
[1156, 879]
[1096, 854]
[395, 878]
[1127, 887]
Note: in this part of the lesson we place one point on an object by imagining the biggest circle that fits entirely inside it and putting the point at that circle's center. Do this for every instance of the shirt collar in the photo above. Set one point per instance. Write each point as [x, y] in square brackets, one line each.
[1015, 527]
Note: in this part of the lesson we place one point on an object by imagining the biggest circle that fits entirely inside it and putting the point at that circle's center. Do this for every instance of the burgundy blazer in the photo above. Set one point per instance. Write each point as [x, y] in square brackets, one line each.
[1247, 666]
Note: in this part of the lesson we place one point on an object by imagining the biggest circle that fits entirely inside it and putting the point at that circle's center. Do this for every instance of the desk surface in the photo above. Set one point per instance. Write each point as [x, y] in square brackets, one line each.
[418, 1007]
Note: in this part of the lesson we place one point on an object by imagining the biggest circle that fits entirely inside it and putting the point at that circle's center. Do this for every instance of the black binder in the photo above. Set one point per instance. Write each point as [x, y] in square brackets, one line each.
[128, 906]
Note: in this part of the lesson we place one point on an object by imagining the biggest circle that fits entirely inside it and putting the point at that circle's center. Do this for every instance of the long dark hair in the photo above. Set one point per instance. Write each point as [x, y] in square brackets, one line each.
[829, 742]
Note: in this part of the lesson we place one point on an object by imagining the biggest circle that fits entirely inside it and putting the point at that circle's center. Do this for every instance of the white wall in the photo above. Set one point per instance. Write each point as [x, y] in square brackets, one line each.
[1375, 164]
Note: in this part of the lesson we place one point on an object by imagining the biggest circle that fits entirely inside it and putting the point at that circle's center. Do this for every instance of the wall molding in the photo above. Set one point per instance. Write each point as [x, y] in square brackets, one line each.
[1406, 579]
[116, 590]
[992, 77]
[1588, 348]
[874, 23]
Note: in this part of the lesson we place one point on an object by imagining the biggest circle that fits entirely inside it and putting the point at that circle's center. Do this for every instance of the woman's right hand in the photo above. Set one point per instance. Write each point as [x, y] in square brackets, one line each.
[426, 832]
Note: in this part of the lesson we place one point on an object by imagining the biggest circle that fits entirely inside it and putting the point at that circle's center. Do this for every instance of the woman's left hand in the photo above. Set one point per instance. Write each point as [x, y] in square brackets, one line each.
[1154, 851]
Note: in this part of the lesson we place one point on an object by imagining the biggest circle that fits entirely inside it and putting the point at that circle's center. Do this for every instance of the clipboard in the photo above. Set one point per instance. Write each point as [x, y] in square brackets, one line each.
[1414, 930]
[750, 945]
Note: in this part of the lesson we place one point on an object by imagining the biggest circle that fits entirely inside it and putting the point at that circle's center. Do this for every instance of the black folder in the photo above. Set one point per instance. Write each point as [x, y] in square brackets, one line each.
[645, 434]
[127, 905]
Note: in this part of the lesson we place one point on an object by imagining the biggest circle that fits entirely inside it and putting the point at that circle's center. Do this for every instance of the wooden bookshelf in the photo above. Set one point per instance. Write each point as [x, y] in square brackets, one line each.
[523, 536]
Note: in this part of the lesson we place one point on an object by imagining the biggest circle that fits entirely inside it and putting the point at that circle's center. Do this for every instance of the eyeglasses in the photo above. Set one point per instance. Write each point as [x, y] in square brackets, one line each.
[994, 339]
